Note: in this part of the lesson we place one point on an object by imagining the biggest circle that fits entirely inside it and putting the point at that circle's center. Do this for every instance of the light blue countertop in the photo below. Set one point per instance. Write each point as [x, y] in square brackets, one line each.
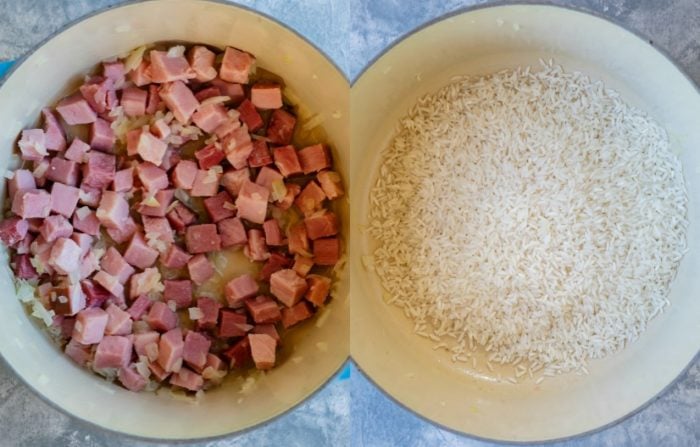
[354, 412]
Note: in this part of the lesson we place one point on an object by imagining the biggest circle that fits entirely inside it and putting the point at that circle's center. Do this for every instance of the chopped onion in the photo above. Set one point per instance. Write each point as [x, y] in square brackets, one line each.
[315, 121]
[195, 313]
[279, 190]
[133, 60]
[214, 100]
[83, 212]
[176, 51]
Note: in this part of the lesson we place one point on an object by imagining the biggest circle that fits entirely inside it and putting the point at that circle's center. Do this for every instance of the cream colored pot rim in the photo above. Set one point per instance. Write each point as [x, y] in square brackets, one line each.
[5, 364]
[580, 10]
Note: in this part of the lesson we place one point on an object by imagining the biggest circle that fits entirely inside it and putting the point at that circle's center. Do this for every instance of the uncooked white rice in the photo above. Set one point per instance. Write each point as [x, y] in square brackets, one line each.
[533, 214]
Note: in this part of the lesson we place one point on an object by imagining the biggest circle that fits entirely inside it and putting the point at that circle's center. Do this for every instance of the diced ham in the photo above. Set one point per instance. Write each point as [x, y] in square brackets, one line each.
[89, 224]
[214, 362]
[326, 251]
[139, 253]
[134, 101]
[210, 116]
[180, 100]
[170, 348]
[114, 264]
[123, 180]
[154, 103]
[98, 171]
[77, 150]
[260, 156]
[70, 299]
[90, 326]
[78, 352]
[232, 90]
[321, 224]
[55, 137]
[168, 68]
[196, 349]
[298, 240]
[88, 264]
[132, 141]
[252, 202]
[273, 233]
[209, 156]
[113, 210]
[110, 283]
[250, 116]
[238, 146]
[281, 127]
[151, 176]
[63, 171]
[160, 317]
[180, 217]
[151, 148]
[145, 342]
[262, 348]
[236, 66]
[112, 352]
[76, 110]
[158, 228]
[171, 158]
[331, 184]
[119, 321]
[131, 379]
[141, 75]
[202, 238]
[310, 199]
[13, 230]
[139, 307]
[174, 257]
[238, 355]
[21, 179]
[206, 183]
[84, 241]
[32, 144]
[102, 136]
[230, 125]
[240, 288]
[267, 176]
[256, 250]
[220, 206]
[187, 379]
[206, 93]
[159, 373]
[40, 170]
[23, 246]
[210, 313]
[232, 181]
[275, 263]
[163, 197]
[184, 174]
[295, 314]
[99, 93]
[286, 160]
[95, 294]
[115, 71]
[263, 309]
[23, 267]
[179, 291]
[232, 232]
[287, 287]
[123, 233]
[160, 128]
[233, 324]
[315, 158]
[65, 256]
[266, 95]
[267, 329]
[201, 59]
[319, 286]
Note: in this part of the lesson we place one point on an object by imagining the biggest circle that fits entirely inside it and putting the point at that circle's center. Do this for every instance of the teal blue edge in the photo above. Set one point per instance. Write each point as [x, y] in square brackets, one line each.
[343, 375]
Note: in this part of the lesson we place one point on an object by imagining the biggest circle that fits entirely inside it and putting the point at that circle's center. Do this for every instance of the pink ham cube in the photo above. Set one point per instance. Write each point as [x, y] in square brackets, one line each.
[262, 349]
[196, 349]
[158, 228]
[151, 176]
[170, 349]
[230, 89]
[260, 156]
[263, 309]
[315, 158]
[295, 314]
[220, 206]
[321, 224]
[298, 240]
[160, 317]
[131, 379]
[90, 326]
[326, 251]
[89, 196]
[113, 210]
[84, 241]
[319, 286]
[180, 100]
[266, 95]
[180, 217]
[240, 288]
[55, 227]
[134, 101]
[40, 170]
[114, 71]
[123, 180]
[141, 75]
[252, 202]
[163, 197]
[273, 233]
[310, 199]
[232, 232]
[154, 103]
[76, 110]
[112, 352]
[281, 127]
[210, 313]
[146, 344]
[274, 263]
[267, 176]
[150, 148]
[174, 257]
[202, 239]
[209, 156]
[238, 146]
[139, 307]
[110, 284]
[233, 324]
[160, 129]
[201, 59]
[331, 184]
[206, 183]
[287, 286]
[21, 179]
[139, 254]
[63, 171]
[287, 161]
[119, 322]
[99, 94]
[256, 250]
[132, 141]
[55, 137]
[13, 230]
[124, 233]
[65, 256]
[78, 352]
[70, 299]
[187, 379]
[64, 199]
[184, 174]
[159, 373]
[250, 116]
[236, 66]
[85, 220]
[98, 171]
[179, 291]
[114, 264]
[77, 150]
[210, 116]
[232, 181]
[239, 354]
[267, 329]
[102, 136]
[95, 294]
[200, 269]
[206, 93]
[169, 68]
[32, 144]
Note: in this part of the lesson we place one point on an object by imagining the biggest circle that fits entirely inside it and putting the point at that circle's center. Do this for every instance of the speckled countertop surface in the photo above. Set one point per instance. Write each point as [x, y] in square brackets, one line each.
[354, 412]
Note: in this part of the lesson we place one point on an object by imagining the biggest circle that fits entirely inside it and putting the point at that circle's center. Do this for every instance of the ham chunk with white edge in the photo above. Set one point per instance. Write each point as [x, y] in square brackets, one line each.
[90, 326]
[134, 101]
[315, 158]
[65, 256]
[170, 349]
[70, 301]
[180, 100]
[263, 309]
[295, 314]
[310, 199]
[321, 224]
[168, 67]
[210, 116]
[139, 253]
[131, 379]
[187, 379]
[206, 183]
[151, 148]
[179, 291]
[113, 210]
[98, 171]
[161, 318]
[160, 204]
[319, 286]
[110, 284]
[64, 199]
[256, 250]
[201, 60]
[114, 264]
[200, 269]
[287, 286]
[175, 257]
[210, 313]
[21, 179]
[202, 238]
[287, 160]
[151, 176]
[13, 230]
[86, 220]
[236, 66]
[76, 110]
[252, 202]
[63, 171]
[102, 136]
[55, 227]
[233, 180]
[55, 137]
[119, 322]
[184, 174]
[196, 349]
[32, 145]
[262, 349]
[240, 288]
[266, 95]
[77, 151]
[233, 324]
[112, 352]
[331, 184]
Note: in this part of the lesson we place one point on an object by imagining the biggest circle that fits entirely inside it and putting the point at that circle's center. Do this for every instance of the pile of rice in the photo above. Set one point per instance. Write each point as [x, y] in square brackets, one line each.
[533, 214]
